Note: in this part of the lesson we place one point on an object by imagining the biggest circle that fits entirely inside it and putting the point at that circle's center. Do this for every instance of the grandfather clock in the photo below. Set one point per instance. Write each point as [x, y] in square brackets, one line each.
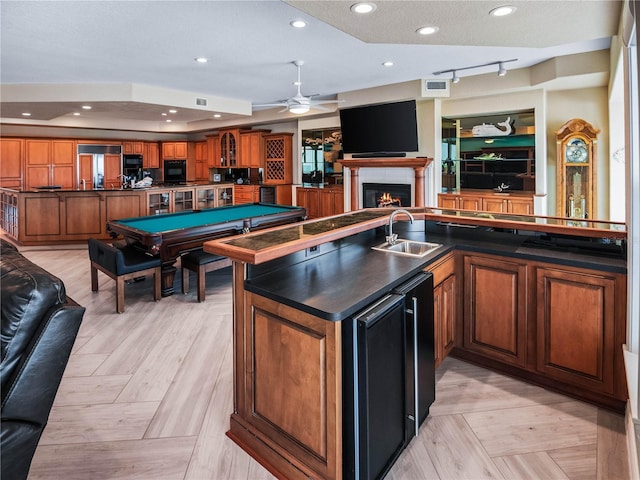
[576, 169]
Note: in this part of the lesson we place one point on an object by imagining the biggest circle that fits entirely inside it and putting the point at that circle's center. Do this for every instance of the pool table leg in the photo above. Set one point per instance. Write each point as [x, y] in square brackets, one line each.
[168, 276]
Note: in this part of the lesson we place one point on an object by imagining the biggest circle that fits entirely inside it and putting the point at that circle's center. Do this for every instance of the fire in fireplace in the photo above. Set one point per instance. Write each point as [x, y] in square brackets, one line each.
[386, 195]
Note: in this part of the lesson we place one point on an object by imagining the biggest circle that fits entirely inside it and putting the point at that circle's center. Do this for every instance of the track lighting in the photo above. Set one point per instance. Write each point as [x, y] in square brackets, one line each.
[502, 71]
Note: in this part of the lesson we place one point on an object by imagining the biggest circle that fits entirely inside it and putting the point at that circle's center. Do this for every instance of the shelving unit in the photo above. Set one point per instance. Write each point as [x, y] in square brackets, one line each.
[493, 160]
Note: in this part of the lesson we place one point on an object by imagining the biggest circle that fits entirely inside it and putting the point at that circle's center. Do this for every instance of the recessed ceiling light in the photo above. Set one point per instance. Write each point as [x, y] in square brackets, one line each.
[430, 30]
[388, 63]
[298, 23]
[216, 115]
[363, 7]
[76, 114]
[168, 120]
[26, 114]
[86, 107]
[173, 111]
[200, 60]
[502, 11]
[164, 114]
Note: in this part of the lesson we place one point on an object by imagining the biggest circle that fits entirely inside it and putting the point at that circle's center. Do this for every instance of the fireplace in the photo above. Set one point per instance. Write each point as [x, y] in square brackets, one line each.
[386, 195]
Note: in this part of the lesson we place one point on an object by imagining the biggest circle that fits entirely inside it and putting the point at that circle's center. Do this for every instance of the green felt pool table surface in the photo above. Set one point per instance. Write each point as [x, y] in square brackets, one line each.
[199, 218]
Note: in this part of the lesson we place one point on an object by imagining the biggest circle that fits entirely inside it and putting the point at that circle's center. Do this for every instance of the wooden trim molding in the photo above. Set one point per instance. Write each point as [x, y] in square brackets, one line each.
[418, 164]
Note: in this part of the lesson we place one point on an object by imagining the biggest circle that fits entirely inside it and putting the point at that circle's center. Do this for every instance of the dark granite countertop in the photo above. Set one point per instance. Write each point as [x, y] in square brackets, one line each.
[350, 275]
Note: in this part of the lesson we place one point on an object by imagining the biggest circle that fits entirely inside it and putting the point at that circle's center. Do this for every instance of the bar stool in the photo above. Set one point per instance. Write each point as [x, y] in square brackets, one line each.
[200, 262]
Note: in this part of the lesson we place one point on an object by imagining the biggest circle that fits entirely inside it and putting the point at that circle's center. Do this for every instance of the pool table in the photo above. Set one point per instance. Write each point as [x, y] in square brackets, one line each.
[172, 234]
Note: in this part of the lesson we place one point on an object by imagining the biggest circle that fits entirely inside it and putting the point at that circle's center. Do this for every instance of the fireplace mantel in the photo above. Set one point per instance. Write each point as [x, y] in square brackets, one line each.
[418, 164]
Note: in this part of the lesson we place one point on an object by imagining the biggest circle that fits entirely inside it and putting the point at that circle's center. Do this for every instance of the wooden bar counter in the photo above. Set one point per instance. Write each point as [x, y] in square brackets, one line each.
[557, 315]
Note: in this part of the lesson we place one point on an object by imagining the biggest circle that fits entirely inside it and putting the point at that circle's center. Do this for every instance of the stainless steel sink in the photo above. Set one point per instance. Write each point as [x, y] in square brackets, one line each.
[410, 248]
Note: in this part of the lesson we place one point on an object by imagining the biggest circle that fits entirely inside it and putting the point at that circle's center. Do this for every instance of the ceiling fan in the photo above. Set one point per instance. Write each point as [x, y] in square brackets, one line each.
[299, 104]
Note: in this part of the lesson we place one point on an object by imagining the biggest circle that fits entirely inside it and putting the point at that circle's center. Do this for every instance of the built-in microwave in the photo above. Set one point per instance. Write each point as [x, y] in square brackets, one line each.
[175, 171]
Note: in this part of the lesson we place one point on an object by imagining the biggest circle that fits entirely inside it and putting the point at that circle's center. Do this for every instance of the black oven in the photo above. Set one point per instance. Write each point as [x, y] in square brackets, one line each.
[175, 171]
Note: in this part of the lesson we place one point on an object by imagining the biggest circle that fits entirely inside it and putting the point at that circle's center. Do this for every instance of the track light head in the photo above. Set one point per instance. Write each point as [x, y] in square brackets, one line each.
[455, 78]
[501, 70]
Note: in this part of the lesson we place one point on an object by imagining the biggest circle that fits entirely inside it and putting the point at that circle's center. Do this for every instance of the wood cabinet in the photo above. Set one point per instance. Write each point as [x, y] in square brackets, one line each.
[580, 327]
[112, 170]
[151, 155]
[135, 148]
[246, 194]
[278, 163]
[11, 159]
[321, 202]
[495, 311]
[561, 327]
[519, 204]
[174, 150]
[445, 299]
[287, 387]
[309, 198]
[50, 162]
[213, 151]
[251, 153]
[201, 161]
[50, 217]
[229, 141]
[170, 200]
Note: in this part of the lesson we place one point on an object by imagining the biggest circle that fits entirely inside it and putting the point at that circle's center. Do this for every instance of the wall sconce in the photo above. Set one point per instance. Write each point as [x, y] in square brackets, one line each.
[502, 71]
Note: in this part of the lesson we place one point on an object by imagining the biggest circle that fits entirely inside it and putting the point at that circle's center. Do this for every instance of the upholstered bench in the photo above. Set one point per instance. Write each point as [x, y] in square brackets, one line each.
[122, 264]
[200, 262]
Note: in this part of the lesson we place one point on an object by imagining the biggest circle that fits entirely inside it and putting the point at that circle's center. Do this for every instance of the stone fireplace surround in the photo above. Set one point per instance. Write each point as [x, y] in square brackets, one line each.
[418, 165]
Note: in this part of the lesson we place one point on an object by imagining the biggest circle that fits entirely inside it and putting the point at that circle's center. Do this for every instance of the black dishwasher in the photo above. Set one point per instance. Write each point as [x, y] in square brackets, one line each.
[384, 381]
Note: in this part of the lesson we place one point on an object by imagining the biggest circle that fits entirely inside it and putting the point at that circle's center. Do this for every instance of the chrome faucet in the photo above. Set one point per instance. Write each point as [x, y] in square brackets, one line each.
[392, 238]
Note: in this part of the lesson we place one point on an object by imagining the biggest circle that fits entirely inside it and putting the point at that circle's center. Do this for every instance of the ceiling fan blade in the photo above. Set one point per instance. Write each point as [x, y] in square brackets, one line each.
[315, 106]
[279, 104]
[286, 107]
[321, 102]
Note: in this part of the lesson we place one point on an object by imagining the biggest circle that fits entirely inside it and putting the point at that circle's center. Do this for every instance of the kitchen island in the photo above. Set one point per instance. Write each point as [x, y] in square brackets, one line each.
[543, 299]
[50, 216]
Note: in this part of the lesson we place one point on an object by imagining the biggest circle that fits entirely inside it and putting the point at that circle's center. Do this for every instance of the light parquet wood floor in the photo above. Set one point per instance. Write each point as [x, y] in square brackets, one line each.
[147, 395]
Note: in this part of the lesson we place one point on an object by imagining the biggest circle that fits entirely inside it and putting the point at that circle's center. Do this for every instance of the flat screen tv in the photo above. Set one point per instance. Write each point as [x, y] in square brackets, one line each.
[388, 129]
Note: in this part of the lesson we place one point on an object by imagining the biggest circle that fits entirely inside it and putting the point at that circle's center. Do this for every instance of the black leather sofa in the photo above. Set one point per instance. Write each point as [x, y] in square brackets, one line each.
[39, 327]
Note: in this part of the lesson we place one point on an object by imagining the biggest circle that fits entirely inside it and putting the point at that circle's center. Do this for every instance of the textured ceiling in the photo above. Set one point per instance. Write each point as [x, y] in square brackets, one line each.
[133, 60]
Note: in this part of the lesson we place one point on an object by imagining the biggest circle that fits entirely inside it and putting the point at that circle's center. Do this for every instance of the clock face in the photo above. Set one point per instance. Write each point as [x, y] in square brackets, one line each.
[576, 151]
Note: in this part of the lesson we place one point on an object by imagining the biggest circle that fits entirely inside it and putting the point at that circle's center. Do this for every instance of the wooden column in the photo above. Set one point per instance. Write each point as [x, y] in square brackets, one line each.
[355, 193]
[419, 186]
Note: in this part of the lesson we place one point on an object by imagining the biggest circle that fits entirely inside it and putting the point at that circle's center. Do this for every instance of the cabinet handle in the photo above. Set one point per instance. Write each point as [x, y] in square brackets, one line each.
[416, 413]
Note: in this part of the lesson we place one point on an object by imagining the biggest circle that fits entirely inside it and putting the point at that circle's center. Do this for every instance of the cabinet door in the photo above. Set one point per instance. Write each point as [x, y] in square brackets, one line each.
[38, 153]
[151, 156]
[252, 150]
[309, 198]
[11, 150]
[85, 170]
[470, 202]
[213, 147]
[494, 204]
[448, 201]
[112, 170]
[169, 151]
[495, 308]
[202, 171]
[576, 327]
[180, 150]
[245, 194]
[63, 160]
[520, 206]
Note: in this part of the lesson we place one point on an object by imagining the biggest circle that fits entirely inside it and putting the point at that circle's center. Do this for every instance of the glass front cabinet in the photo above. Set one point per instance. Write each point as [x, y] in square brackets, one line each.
[576, 144]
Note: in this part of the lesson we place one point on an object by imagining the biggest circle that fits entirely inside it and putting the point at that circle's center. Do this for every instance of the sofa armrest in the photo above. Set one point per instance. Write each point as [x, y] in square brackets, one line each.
[30, 391]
